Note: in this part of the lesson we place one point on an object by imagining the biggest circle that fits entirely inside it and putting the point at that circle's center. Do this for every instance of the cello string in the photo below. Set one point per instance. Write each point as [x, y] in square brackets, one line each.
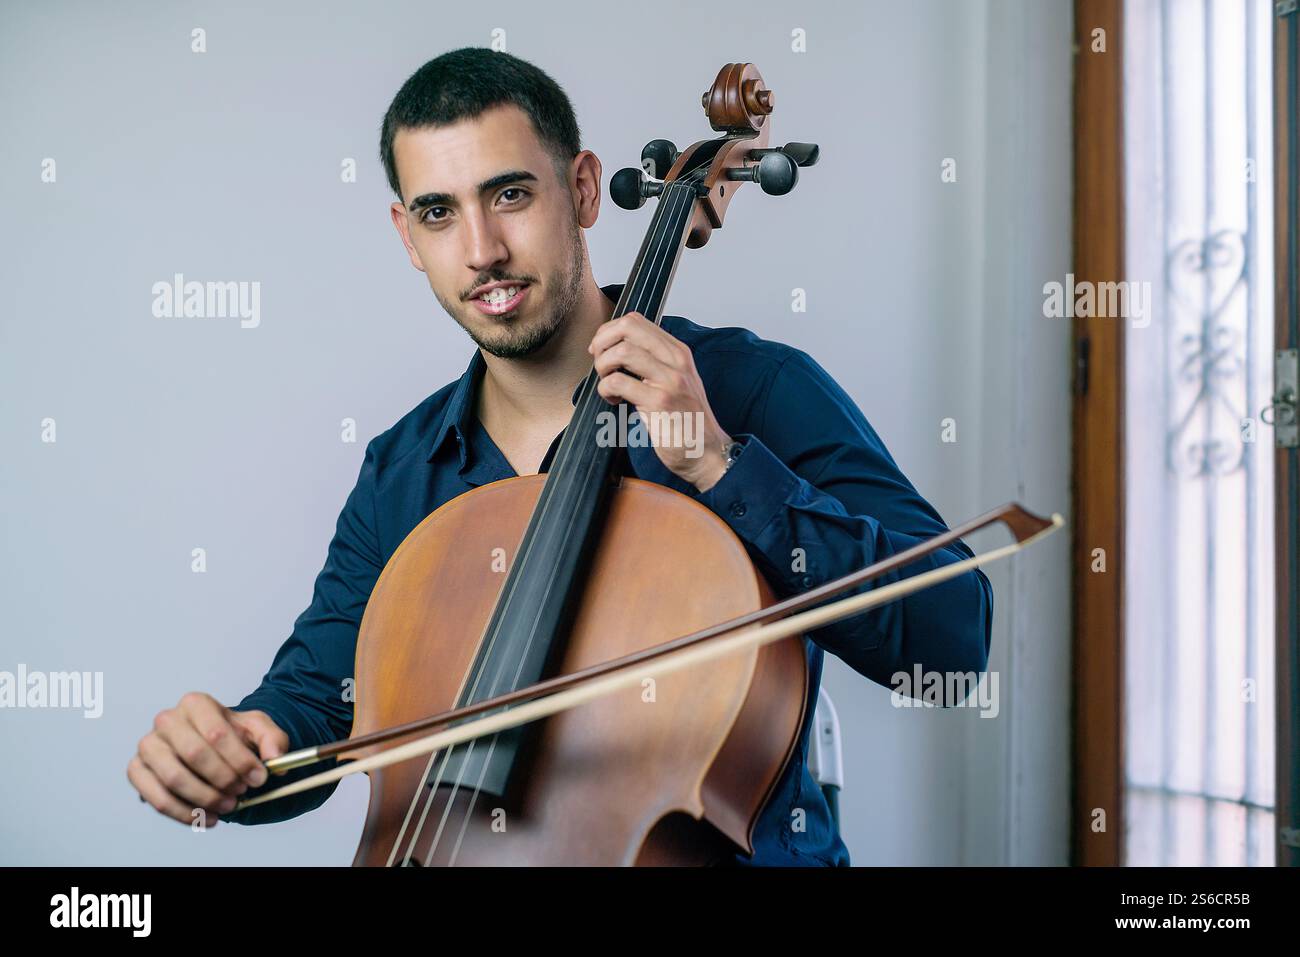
[563, 456]
[656, 271]
[478, 785]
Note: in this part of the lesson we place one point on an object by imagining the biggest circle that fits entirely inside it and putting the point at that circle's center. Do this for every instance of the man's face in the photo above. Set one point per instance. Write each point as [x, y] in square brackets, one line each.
[483, 203]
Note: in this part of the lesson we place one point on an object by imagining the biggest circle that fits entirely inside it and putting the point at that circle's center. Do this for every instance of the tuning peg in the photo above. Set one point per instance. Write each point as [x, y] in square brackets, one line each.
[803, 154]
[658, 158]
[630, 189]
[775, 172]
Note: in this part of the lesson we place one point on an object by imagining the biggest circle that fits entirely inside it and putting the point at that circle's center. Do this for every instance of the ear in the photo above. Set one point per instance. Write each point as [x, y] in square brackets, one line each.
[403, 226]
[586, 185]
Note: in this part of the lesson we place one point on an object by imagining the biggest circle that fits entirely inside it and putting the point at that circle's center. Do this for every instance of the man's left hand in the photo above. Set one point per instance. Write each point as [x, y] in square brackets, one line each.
[641, 364]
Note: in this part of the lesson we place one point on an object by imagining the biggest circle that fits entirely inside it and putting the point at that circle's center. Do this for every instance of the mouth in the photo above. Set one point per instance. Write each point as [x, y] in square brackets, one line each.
[502, 299]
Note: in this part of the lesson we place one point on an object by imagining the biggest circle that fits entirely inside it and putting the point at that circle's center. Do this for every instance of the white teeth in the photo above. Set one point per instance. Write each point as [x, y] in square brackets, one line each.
[499, 295]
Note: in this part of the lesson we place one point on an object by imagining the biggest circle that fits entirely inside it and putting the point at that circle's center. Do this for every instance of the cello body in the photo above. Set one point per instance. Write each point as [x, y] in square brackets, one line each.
[675, 772]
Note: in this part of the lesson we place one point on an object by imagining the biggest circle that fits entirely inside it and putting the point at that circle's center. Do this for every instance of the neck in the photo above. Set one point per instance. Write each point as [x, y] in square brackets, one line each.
[539, 388]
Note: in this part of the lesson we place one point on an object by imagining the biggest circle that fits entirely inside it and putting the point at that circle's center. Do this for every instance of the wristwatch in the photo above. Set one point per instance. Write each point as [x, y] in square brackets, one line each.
[730, 452]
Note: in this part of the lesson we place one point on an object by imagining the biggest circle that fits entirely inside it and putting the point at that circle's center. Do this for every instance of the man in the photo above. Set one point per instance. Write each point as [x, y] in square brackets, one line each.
[483, 151]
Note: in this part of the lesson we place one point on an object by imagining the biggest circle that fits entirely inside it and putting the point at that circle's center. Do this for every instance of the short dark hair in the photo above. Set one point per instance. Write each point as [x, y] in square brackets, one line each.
[462, 84]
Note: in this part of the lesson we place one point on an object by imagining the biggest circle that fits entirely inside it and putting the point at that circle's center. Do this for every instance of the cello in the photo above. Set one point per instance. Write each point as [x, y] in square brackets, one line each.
[597, 567]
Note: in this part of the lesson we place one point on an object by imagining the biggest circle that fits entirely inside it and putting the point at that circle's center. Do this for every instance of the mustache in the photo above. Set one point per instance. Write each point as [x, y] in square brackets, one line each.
[519, 279]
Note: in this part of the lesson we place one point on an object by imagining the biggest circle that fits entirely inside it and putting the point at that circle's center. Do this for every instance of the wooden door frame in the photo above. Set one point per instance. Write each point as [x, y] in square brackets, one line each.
[1097, 812]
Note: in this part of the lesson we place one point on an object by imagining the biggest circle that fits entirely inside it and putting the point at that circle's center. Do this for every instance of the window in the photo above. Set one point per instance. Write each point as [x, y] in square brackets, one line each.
[1198, 733]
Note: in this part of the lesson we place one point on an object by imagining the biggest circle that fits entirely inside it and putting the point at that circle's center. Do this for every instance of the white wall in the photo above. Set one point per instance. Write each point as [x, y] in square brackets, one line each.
[957, 272]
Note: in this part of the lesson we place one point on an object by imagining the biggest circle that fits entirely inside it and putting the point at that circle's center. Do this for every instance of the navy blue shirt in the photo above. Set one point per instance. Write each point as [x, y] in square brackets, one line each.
[813, 475]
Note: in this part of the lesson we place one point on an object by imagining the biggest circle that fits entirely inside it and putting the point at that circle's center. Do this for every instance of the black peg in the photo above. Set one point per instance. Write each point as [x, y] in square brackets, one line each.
[658, 158]
[630, 189]
[803, 154]
[775, 172]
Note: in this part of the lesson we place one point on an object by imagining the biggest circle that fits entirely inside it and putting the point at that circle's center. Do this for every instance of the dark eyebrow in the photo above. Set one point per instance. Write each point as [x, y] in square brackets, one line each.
[446, 199]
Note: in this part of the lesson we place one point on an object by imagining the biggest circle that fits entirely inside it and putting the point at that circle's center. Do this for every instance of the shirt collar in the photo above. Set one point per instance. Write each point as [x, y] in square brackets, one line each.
[456, 418]
[461, 405]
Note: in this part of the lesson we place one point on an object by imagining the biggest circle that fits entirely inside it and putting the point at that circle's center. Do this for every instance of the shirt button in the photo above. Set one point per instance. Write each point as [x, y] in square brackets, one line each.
[738, 510]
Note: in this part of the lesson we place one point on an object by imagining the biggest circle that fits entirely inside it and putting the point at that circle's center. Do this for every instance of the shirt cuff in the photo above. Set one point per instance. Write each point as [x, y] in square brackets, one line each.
[753, 491]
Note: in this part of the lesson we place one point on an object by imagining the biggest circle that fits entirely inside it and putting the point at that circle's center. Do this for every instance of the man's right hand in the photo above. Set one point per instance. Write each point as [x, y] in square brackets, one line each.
[201, 754]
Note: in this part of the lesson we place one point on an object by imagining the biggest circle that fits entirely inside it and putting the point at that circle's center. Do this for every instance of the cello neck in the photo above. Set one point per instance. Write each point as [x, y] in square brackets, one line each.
[645, 292]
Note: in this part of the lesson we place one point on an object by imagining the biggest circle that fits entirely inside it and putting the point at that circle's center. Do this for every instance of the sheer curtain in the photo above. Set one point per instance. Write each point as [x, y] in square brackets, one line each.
[1199, 732]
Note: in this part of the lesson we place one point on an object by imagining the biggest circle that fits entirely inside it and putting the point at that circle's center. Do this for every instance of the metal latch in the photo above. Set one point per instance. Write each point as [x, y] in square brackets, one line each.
[1281, 412]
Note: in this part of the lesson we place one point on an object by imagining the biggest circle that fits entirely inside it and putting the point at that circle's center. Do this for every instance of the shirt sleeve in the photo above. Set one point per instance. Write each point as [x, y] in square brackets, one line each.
[815, 495]
[307, 691]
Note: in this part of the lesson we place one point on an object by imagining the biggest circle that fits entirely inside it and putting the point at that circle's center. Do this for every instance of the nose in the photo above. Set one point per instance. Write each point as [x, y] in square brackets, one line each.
[484, 245]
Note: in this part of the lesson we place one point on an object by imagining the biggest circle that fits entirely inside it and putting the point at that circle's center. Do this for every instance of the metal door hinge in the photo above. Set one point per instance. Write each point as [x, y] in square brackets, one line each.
[1082, 365]
[1281, 413]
